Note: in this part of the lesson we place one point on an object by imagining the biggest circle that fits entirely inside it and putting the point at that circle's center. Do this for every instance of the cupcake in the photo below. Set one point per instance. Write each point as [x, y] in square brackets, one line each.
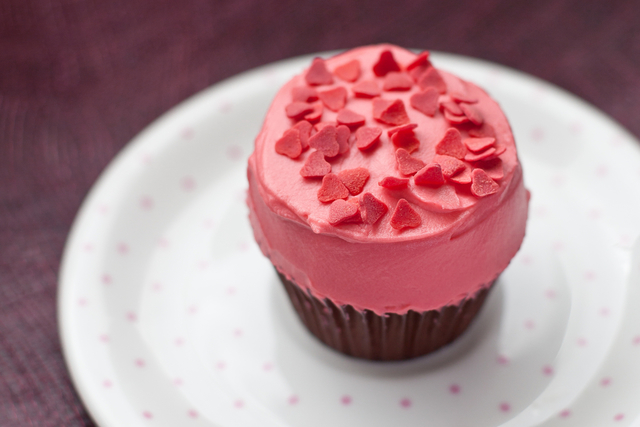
[389, 197]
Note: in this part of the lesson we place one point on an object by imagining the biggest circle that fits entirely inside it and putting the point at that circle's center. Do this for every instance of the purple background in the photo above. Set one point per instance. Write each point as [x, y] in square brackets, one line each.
[80, 78]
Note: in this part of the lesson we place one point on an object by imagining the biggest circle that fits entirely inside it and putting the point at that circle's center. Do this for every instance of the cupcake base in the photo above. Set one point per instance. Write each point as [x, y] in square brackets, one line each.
[367, 335]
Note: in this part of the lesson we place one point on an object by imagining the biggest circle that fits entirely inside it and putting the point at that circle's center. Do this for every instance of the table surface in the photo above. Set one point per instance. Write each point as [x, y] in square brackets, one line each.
[80, 78]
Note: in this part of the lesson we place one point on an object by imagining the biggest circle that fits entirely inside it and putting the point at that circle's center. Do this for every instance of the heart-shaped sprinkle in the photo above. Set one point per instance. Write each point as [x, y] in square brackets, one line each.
[463, 177]
[315, 166]
[289, 145]
[451, 107]
[421, 60]
[406, 140]
[304, 94]
[403, 128]
[486, 131]
[332, 189]
[425, 101]
[404, 216]
[342, 211]
[325, 141]
[318, 74]
[334, 99]
[366, 89]
[304, 127]
[430, 175]
[407, 164]
[354, 179]
[432, 78]
[478, 144]
[494, 169]
[297, 110]
[390, 112]
[316, 114]
[349, 72]
[321, 125]
[453, 119]
[342, 138]
[450, 165]
[395, 81]
[371, 209]
[349, 118]
[472, 113]
[463, 97]
[481, 184]
[367, 136]
[386, 63]
[393, 183]
[451, 144]
[485, 155]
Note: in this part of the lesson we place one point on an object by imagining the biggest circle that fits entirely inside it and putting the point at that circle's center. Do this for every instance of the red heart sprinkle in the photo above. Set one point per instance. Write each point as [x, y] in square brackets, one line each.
[350, 118]
[403, 128]
[289, 145]
[304, 94]
[485, 131]
[451, 107]
[451, 144]
[297, 110]
[481, 184]
[318, 74]
[494, 169]
[426, 101]
[397, 81]
[463, 177]
[342, 211]
[349, 72]
[371, 209]
[393, 183]
[430, 175]
[472, 113]
[431, 78]
[404, 216]
[463, 97]
[487, 154]
[304, 127]
[386, 63]
[406, 140]
[478, 144]
[334, 99]
[390, 112]
[354, 179]
[450, 165]
[366, 89]
[342, 138]
[315, 166]
[455, 120]
[421, 59]
[366, 137]
[407, 164]
[325, 141]
[332, 189]
[321, 125]
[316, 114]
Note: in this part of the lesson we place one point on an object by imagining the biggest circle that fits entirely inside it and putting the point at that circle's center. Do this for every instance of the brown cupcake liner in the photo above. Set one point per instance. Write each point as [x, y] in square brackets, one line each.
[392, 336]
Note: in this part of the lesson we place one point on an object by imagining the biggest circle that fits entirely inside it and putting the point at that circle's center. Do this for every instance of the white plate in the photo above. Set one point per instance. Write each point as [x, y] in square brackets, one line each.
[170, 315]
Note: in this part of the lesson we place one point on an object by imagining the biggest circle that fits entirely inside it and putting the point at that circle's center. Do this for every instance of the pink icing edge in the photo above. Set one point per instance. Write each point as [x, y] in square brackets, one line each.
[466, 249]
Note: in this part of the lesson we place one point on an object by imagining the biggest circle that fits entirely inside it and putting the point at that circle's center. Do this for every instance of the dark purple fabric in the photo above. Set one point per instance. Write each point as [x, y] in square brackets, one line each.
[80, 78]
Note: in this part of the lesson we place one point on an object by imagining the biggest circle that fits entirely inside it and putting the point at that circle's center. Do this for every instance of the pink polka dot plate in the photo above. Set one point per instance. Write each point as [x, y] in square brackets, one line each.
[170, 315]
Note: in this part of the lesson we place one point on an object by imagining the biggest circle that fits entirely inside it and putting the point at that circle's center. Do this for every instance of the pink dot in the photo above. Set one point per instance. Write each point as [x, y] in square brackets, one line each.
[178, 382]
[146, 202]
[187, 133]
[157, 286]
[237, 332]
[505, 407]
[193, 309]
[454, 389]
[88, 247]
[346, 400]
[192, 413]
[103, 209]
[636, 340]
[179, 341]
[619, 417]
[558, 179]
[602, 171]
[131, 316]
[238, 403]
[146, 159]
[163, 243]
[576, 127]
[107, 384]
[529, 324]
[565, 413]
[188, 183]
[550, 293]
[595, 213]
[106, 279]
[558, 245]
[123, 248]
[540, 211]
[82, 302]
[234, 152]
[590, 275]
[203, 264]
[605, 382]
[221, 365]
[582, 342]
[267, 366]
[527, 260]
[547, 370]
[293, 400]
[244, 246]
[226, 107]
[503, 360]
[231, 291]
[207, 223]
[537, 134]
[140, 363]
[604, 312]
[104, 338]
[148, 415]
[405, 403]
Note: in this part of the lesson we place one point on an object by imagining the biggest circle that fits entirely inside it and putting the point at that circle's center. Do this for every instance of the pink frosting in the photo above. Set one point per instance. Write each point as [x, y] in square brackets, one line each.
[462, 244]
